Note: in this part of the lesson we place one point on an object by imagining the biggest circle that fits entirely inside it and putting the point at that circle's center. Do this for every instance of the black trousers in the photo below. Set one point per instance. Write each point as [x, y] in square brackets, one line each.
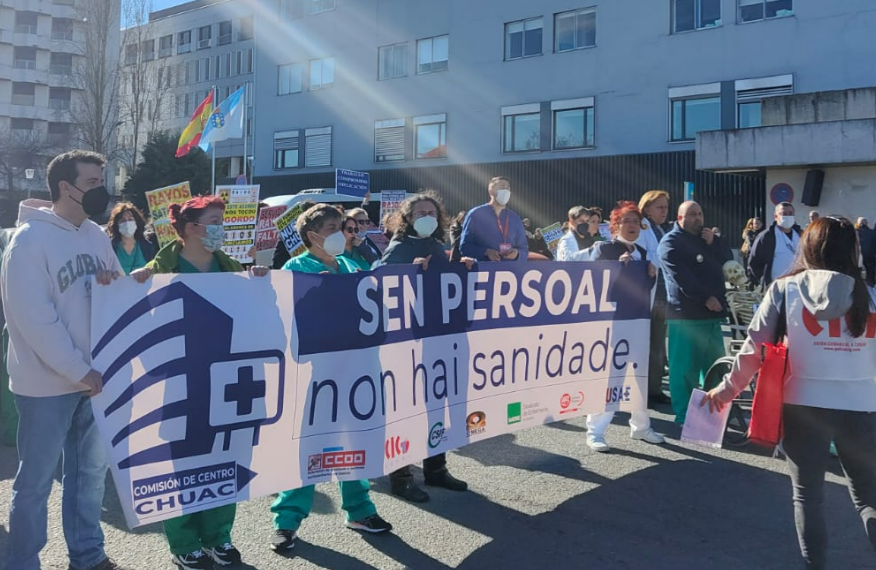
[657, 358]
[434, 464]
[808, 433]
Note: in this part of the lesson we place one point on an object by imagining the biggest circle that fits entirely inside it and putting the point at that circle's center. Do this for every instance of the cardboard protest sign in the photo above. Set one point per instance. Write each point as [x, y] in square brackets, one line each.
[551, 235]
[266, 232]
[240, 230]
[390, 200]
[159, 200]
[285, 225]
[239, 193]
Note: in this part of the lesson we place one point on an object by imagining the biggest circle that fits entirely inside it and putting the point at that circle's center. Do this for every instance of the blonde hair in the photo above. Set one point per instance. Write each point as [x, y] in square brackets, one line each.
[650, 197]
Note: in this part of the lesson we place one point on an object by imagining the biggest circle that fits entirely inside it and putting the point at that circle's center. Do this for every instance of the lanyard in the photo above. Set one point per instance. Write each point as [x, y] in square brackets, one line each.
[503, 231]
[790, 243]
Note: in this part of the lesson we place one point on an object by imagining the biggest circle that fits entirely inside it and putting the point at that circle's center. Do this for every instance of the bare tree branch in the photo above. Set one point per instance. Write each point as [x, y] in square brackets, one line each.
[20, 150]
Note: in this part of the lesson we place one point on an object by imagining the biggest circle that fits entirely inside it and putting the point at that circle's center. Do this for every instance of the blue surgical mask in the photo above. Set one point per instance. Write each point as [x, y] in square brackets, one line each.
[214, 238]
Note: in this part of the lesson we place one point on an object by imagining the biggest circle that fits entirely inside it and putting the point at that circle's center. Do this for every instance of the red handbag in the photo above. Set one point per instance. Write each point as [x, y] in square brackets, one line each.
[765, 427]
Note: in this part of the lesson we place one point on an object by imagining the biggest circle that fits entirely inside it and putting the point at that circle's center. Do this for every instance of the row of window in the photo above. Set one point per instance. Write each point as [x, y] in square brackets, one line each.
[146, 50]
[229, 64]
[27, 23]
[688, 15]
[25, 94]
[54, 129]
[295, 9]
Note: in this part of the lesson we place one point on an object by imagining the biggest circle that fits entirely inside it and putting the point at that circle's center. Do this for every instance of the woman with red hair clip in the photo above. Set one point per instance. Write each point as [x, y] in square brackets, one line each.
[199, 540]
[626, 223]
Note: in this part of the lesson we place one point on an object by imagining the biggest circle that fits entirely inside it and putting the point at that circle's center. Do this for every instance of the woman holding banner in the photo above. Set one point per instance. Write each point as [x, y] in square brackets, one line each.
[827, 312]
[626, 223]
[199, 540]
[320, 230]
[127, 232]
[420, 225]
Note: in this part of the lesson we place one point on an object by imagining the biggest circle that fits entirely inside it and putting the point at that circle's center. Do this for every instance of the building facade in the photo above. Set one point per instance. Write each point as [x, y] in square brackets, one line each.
[446, 94]
[44, 45]
[170, 64]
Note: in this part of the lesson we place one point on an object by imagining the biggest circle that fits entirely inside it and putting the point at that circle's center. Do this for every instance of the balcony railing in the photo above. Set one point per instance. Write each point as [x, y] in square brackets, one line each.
[25, 29]
[23, 100]
[24, 64]
[204, 44]
[184, 48]
[62, 35]
[224, 39]
[59, 104]
[60, 69]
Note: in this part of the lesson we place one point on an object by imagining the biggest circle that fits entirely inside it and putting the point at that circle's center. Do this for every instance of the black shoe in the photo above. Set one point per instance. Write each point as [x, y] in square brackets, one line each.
[659, 399]
[283, 540]
[410, 492]
[446, 480]
[224, 554]
[373, 524]
[107, 564]
[197, 560]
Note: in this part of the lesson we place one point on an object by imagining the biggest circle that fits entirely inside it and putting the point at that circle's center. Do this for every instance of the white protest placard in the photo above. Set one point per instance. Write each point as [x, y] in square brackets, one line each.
[285, 225]
[552, 235]
[390, 200]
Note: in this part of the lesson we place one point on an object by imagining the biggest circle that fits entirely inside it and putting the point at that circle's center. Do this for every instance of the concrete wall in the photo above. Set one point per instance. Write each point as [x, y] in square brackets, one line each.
[825, 106]
[848, 191]
[635, 62]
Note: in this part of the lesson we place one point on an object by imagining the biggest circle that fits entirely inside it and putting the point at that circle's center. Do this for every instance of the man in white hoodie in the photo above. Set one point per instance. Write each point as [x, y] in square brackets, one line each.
[45, 282]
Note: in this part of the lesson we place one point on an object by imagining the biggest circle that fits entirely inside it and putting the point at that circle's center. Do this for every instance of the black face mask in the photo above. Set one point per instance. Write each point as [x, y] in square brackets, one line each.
[583, 229]
[94, 201]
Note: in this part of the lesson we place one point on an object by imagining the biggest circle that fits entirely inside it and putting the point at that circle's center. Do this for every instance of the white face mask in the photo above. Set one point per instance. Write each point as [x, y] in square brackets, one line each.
[334, 244]
[503, 196]
[426, 226]
[787, 222]
[128, 229]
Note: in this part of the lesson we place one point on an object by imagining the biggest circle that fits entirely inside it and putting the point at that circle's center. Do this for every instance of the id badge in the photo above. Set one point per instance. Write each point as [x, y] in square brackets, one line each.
[504, 248]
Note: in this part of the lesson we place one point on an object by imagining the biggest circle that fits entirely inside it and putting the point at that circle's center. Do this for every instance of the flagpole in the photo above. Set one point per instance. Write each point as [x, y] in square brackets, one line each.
[213, 148]
[245, 91]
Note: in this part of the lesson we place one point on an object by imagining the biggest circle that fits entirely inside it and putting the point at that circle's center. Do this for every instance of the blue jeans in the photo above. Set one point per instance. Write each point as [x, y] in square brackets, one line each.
[48, 429]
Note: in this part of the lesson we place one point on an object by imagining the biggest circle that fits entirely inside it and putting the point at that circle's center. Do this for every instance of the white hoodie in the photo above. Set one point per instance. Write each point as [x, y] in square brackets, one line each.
[45, 282]
[828, 367]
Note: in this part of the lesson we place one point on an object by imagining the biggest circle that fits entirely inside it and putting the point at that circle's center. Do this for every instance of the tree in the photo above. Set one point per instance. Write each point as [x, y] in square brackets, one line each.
[159, 167]
[96, 75]
[20, 150]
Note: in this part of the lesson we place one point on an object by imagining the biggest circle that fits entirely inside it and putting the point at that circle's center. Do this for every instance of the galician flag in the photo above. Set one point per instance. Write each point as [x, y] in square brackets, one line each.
[191, 135]
[226, 122]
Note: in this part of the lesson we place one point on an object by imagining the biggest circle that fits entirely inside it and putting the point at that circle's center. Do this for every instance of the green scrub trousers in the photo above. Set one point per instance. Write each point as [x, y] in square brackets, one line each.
[206, 529]
[694, 345]
[292, 507]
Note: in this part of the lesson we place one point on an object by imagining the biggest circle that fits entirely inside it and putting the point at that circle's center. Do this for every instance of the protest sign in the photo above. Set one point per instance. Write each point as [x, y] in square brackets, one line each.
[552, 235]
[352, 182]
[390, 200]
[209, 401]
[285, 225]
[266, 231]
[239, 194]
[240, 230]
[159, 200]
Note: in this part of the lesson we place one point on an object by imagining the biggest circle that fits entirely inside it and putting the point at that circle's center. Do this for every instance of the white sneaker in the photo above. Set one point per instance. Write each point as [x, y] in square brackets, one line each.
[597, 443]
[648, 435]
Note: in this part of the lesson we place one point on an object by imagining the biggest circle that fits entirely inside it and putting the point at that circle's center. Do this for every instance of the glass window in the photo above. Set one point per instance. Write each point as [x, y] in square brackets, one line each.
[393, 61]
[573, 128]
[521, 133]
[248, 60]
[290, 78]
[285, 159]
[244, 32]
[21, 124]
[389, 140]
[204, 35]
[432, 54]
[753, 10]
[165, 46]
[749, 115]
[130, 54]
[317, 6]
[225, 32]
[690, 15]
[184, 42]
[575, 29]
[430, 140]
[26, 22]
[322, 73]
[148, 48]
[690, 116]
[62, 29]
[523, 38]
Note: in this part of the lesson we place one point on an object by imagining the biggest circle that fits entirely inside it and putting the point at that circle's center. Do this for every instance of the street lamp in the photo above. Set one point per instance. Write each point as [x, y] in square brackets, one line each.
[28, 173]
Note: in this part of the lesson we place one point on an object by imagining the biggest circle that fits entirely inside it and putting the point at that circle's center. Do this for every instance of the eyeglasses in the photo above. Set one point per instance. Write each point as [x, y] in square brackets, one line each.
[352, 229]
[363, 222]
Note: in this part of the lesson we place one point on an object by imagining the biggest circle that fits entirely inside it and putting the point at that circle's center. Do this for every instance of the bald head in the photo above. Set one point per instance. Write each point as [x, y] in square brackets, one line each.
[690, 217]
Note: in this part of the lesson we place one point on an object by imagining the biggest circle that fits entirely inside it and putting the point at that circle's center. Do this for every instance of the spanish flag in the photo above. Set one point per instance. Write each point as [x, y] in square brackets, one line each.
[191, 135]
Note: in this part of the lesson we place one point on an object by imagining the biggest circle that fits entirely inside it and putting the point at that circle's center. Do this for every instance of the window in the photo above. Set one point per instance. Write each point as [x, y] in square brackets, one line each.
[226, 65]
[318, 6]
[59, 133]
[521, 128]
[24, 57]
[59, 98]
[753, 10]
[224, 32]
[291, 10]
[322, 73]
[750, 94]
[21, 124]
[148, 48]
[61, 63]
[690, 15]
[184, 42]
[187, 105]
[389, 140]
[195, 70]
[393, 61]
[694, 109]
[575, 30]
[290, 78]
[523, 38]
[62, 29]
[23, 93]
[204, 34]
[25, 22]
[573, 124]
[318, 147]
[285, 150]
[206, 70]
[165, 46]
[248, 60]
[249, 124]
[432, 54]
[244, 29]
[430, 134]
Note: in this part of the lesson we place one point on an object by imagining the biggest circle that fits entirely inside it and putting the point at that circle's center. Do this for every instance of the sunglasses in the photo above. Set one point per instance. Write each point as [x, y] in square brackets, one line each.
[352, 229]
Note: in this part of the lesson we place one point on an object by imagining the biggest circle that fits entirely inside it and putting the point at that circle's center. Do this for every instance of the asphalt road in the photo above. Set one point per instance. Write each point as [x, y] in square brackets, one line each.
[539, 499]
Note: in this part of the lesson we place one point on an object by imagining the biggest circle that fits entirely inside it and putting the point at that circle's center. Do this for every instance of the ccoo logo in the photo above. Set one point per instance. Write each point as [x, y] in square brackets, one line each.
[209, 389]
[396, 447]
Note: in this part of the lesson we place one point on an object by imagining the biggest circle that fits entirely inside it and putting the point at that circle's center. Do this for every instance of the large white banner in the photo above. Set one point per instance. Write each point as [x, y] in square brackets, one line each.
[224, 387]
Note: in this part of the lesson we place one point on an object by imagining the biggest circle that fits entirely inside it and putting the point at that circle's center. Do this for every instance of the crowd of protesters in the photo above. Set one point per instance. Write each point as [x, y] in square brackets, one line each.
[47, 309]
